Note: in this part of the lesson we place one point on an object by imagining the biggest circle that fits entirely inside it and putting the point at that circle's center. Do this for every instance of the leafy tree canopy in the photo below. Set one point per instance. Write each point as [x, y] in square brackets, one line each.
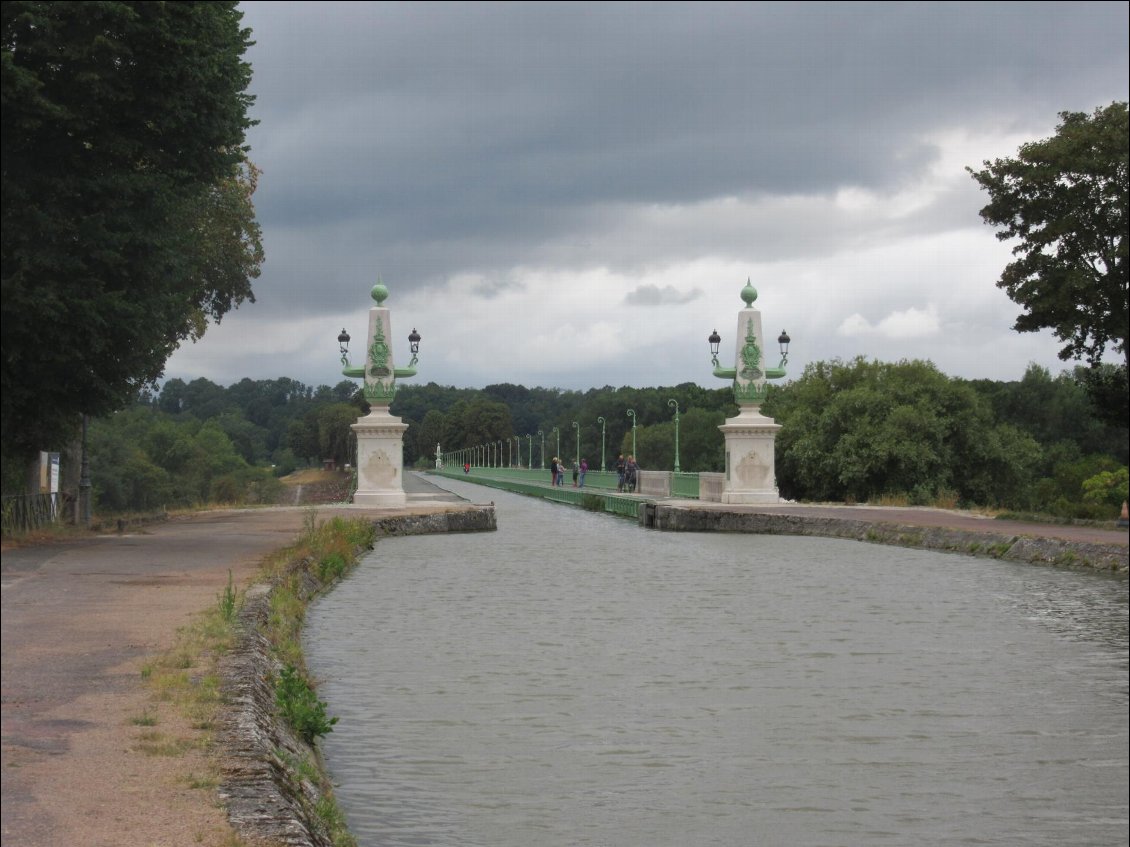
[127, 218]
[1064, 198]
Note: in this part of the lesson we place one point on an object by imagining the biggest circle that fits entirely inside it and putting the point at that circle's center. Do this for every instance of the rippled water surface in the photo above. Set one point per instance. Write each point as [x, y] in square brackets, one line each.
[575, 680]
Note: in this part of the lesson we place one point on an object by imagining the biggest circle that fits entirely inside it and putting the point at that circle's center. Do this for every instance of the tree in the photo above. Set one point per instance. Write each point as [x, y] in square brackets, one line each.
[859, 430]
[1065, 199]
[126, 215]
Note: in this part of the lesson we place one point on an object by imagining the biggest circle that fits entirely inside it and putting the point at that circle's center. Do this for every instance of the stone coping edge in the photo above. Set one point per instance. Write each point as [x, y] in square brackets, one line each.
[1109, 558]
[268, 799]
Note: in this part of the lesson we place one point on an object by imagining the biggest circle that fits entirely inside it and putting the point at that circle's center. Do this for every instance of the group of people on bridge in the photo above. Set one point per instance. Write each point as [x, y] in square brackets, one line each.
[627, 474]
[557, 472]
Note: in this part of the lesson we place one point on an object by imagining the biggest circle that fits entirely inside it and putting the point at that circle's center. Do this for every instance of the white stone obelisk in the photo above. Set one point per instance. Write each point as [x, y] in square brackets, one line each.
[750, 436]
[380, 435]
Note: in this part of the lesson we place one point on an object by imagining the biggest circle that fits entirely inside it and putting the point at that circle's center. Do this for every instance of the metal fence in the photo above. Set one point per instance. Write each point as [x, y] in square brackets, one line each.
[25, 512]
[599, 488]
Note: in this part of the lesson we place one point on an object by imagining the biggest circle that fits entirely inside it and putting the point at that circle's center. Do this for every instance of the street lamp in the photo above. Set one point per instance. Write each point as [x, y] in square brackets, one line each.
[675, 403]
[632, 415]
[541, 435]
[530, 450]
[499, 463]
[600, 420]
[343, 343]
[577, 457]
[558, 453]
[783, 340]
[414, 346]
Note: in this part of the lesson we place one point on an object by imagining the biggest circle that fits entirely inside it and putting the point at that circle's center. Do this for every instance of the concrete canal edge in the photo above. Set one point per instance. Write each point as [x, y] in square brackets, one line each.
[271, 794]
[1109, 558]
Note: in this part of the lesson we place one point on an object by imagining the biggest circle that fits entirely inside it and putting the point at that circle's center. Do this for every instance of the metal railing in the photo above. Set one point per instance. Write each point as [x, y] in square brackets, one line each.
[599, 487]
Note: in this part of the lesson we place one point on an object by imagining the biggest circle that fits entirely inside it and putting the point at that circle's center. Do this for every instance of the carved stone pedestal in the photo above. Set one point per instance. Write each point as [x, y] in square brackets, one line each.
[751, 475]
[380, 459]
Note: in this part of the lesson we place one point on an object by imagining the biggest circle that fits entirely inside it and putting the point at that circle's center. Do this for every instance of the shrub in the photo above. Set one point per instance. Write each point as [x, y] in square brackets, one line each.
[592, 502]
[300, 706]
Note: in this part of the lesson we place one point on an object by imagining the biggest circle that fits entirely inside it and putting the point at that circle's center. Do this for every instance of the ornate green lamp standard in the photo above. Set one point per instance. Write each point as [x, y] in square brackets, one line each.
[380, 436]
[530, 450]
[632, 415]
[600, 420]
[750, 436]
[577, 455]
[541, 435]
[675, 403]
[556, 430]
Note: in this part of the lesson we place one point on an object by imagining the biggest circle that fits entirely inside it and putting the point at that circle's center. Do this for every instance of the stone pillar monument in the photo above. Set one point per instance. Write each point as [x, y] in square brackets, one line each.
[751, 436]
[380, 436]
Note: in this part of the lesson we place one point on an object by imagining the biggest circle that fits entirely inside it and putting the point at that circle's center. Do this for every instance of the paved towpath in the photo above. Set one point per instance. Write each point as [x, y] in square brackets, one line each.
[944, 518]
[78, 620]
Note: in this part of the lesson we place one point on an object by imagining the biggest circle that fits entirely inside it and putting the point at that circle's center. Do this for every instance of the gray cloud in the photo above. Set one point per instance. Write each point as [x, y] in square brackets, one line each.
[432, 141]
[653, 295]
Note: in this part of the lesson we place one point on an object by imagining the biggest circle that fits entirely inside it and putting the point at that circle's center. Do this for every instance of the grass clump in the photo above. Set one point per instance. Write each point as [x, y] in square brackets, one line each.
[146, 718]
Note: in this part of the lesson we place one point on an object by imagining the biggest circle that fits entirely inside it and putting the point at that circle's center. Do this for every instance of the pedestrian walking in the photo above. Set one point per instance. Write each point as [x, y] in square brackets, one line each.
[631, 472]
[620, 468]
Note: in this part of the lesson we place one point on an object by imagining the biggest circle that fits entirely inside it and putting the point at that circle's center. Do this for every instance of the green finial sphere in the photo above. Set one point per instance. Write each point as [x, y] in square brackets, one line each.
[749, 294]
[379, 292]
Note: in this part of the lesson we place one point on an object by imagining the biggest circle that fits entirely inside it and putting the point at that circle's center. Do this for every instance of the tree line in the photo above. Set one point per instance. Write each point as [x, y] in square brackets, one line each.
[852, 431]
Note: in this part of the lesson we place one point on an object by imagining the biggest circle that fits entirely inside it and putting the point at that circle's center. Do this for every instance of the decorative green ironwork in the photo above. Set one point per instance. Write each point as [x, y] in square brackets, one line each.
[379, 394]
[379, 353]
[751, 355]
[750, 393]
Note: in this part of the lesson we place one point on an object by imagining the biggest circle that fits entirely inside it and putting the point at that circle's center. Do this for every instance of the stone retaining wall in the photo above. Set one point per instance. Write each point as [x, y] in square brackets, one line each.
[1050, 551]
[268, 799]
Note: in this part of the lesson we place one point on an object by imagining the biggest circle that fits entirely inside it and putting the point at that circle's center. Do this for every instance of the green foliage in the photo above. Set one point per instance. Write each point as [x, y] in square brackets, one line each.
[1109, 488]
[126, 216]
[300, 706]
[592, 502]
[1065, 199]
[332, 566]
[901, 432]
[863, 430]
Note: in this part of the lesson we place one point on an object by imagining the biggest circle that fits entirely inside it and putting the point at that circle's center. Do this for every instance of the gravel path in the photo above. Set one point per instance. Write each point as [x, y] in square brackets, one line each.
[78, 621]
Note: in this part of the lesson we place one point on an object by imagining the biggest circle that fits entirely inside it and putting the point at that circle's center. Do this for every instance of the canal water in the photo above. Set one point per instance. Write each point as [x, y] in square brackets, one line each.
[575, 680]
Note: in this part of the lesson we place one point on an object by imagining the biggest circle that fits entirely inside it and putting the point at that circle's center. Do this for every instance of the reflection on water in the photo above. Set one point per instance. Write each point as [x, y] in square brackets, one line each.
[574, 680]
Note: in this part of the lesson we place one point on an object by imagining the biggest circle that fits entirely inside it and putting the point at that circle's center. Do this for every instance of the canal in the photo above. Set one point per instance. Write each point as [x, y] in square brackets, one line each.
[573, 679]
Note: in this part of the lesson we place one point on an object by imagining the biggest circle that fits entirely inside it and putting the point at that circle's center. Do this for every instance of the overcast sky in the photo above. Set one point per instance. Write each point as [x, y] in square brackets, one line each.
[574, 195]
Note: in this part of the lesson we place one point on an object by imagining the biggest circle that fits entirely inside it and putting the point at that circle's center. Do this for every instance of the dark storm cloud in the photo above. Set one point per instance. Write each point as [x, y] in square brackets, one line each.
[495, 163]
[476, 133]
